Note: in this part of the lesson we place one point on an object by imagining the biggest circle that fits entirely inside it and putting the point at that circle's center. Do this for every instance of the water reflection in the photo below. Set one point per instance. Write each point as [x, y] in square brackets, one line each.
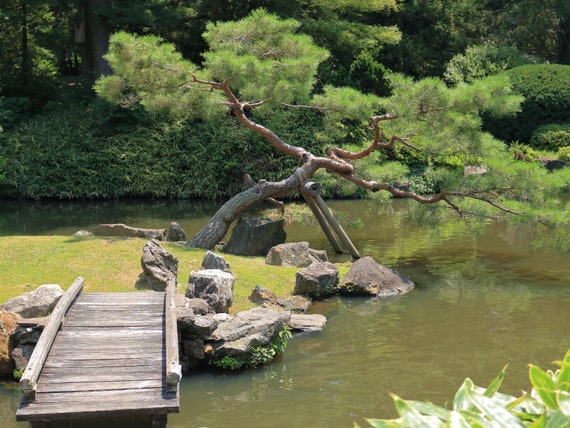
[483, 300]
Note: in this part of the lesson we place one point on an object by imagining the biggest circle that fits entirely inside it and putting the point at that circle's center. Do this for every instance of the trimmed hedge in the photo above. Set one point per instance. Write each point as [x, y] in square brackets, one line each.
[546, 90]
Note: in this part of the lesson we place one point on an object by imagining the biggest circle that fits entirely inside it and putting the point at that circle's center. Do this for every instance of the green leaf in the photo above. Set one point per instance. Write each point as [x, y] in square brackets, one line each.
[476, 420]
[539, 423]
[411, 416]
[461, 399]
[544, 386]
[564, 402]
[495, 412]
[495, 384]
[563, 381]
[385, 423]
[458, 420]
[557, 419]
[426, 408]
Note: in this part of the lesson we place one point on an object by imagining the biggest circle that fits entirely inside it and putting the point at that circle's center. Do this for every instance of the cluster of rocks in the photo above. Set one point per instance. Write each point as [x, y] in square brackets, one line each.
[207, 332]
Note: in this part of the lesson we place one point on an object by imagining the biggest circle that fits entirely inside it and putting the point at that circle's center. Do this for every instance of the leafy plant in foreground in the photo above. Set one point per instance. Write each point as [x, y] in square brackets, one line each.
[547, 405]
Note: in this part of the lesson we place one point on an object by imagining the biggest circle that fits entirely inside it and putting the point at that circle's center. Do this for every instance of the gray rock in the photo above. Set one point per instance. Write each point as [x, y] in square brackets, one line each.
[299, 304]
[256, 327]
[212, 285]
[318, 280]
[175, 233]
[200, 306]
[318, 255]
[268, 299]
[83, 233]
[293, 254]
[120, 229]
[194, 351]
[212, 260]
[158, 265]
[21, 355]
[307, 323]
[367, 277]
[199, 326]
[35, 304]
[255, 236]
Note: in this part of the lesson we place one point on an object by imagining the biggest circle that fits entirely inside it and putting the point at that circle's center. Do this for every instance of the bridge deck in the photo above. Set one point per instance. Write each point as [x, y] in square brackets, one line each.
[107, 360]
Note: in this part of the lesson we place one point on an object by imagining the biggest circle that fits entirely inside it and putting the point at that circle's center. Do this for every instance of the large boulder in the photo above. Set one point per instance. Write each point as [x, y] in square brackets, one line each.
[35, 304]
[212, 260]
[8, 323]
[255, 236]
[367, 277]
[214, 286]
[175, 233]
[158, 265]
[293, 254]
[317, 281]
[248, 329]
[120, 229]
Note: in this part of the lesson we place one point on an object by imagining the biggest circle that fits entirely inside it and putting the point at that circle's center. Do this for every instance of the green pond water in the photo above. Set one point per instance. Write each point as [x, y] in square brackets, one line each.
[482, 301]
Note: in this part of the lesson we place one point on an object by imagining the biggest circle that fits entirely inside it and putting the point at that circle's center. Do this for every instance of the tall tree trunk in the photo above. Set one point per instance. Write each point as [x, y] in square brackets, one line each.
[96, 43]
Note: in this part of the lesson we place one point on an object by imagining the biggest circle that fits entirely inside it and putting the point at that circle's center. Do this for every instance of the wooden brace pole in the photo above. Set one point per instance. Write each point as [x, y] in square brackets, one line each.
[328, 222]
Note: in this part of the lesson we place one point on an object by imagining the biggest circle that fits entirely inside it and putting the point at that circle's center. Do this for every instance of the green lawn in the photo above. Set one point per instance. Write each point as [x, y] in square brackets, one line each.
[113, 264]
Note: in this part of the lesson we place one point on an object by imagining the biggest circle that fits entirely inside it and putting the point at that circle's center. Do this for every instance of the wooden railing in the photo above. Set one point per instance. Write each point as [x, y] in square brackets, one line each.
[173, 369]
[41, 351]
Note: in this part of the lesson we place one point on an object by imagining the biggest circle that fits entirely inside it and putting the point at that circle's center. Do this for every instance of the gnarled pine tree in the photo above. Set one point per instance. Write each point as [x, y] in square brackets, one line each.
[261, 64]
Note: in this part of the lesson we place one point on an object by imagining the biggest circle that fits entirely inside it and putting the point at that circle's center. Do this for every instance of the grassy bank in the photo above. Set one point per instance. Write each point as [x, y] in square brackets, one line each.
[113, 264]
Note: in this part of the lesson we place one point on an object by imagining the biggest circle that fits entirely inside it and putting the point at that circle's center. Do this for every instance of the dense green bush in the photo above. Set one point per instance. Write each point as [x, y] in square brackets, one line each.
[551, 136]
[547, 101]
[101, 151]
[13, 110]
[483, 60]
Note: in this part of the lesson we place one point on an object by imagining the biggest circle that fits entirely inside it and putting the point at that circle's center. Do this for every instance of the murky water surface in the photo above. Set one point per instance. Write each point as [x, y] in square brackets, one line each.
[482, 301]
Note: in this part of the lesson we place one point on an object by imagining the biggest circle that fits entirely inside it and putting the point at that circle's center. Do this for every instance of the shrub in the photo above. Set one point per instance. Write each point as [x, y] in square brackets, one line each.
[564, 154]
[551, 136]
[13, 110]
[547, 101]
[483, 60]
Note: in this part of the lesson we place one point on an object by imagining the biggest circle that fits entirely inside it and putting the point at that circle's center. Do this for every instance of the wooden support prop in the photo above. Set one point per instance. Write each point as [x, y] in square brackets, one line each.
[41, 351]
[312, 190]
[309, 190]
[173, 368]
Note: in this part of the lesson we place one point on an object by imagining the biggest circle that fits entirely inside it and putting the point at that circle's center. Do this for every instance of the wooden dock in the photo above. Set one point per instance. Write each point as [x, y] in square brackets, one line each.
[105, 359]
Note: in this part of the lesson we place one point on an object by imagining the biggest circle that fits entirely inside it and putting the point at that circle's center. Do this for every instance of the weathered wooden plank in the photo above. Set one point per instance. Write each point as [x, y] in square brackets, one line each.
[76, 377]
[118, 361]
[110, 323]
[100, 386]
[100, 403]
[128, 333]
[32, 371]
[97, 373]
